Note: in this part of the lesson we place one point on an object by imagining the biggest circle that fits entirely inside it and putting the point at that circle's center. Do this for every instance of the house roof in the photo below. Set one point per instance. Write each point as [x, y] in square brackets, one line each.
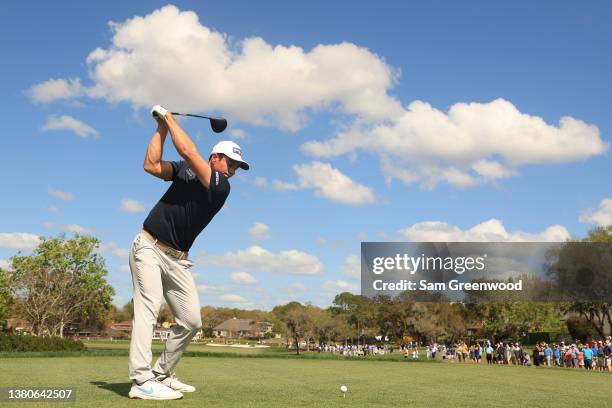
[15, 323]
[126, 325]
[242, 325]
[236, 325]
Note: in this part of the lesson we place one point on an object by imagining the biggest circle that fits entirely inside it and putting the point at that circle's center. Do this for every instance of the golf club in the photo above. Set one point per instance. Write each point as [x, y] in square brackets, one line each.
[218, 125]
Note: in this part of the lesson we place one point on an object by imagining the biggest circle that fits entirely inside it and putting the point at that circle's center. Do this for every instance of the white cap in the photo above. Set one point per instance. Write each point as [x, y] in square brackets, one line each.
[231, 150]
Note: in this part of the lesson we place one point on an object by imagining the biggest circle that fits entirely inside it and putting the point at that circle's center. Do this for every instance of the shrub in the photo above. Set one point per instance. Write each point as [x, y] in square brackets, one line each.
[12, 342]
[580, 328]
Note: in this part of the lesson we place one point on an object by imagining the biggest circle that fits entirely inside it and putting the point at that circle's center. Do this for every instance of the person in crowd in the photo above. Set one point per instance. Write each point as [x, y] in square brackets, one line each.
[489, 351]
[507, 353]
[568, 357]
[547, 355]
[587, 352]
[574, 356]
[608, 355]
[516, 358]
[556, 355]
[536, 354]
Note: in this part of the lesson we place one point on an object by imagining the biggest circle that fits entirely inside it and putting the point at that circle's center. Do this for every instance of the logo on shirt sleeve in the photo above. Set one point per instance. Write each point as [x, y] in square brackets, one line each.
[190, 173]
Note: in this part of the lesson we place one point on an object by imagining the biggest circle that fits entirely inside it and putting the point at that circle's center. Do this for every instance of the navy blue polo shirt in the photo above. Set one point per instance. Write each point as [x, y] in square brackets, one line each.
[187, 207]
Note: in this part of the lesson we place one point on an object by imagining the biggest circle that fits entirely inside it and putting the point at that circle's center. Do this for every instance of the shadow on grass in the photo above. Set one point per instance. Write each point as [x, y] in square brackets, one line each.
[121, 389]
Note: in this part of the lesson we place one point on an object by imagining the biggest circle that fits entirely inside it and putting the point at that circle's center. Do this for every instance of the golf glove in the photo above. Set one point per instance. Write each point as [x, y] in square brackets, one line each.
[159, 111]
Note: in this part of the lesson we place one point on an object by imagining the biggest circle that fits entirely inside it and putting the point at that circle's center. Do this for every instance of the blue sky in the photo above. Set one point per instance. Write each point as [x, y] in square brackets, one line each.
[362, 121]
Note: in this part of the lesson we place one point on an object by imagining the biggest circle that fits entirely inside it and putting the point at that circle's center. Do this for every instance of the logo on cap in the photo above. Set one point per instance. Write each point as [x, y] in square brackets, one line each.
[237, 150]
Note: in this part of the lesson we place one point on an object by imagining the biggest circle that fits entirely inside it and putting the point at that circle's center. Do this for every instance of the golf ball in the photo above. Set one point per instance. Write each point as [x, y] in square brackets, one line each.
[344, 388]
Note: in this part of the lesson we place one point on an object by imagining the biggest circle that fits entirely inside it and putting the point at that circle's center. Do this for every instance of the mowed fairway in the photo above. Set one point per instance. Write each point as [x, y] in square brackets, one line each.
[275, 382]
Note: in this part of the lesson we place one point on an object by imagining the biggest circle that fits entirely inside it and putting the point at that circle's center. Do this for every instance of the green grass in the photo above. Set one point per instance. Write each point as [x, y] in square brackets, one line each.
[121, 348]
[101, 381]
[203, 350]
[158, 346]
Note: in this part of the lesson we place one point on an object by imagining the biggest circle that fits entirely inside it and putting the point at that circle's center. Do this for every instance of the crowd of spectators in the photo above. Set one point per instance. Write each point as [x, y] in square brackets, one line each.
[593, 355]
[357, 350]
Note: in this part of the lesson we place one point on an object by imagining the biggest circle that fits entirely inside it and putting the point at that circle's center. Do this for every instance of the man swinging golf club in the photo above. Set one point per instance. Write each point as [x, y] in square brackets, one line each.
[159, 254]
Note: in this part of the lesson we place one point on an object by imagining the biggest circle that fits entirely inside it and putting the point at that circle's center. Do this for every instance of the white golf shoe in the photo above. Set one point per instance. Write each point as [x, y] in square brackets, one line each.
[173, 382]
[154, 390]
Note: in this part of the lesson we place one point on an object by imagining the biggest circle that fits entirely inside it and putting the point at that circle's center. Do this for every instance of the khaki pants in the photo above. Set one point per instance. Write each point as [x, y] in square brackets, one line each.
[156, 276]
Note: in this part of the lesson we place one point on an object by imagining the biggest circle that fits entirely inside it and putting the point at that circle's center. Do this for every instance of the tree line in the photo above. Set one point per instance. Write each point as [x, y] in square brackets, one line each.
[64, 282]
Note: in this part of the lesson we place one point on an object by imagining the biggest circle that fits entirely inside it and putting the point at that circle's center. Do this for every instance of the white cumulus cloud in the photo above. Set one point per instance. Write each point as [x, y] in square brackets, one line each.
[260, 182]
[114, 249]
[55, 89]
[237, 133]
[296, 288]
[471, 144]
[352, 266]
[61, 195]
[232, 298]
[259, 230]
[250, 79]
[66, 122]
[4, 264]
[75, 228]
[131, 206]
[339, 286]
[210, 289]
[261, 83]
[492, 230]
[19, 240]
[256, 258]
[242, 278]
[601, 217]
[282, 186]
[327, 182]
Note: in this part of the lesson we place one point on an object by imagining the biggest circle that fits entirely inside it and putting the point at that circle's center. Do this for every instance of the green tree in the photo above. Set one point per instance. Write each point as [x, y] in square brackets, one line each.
[327, 327]
[165, 315]
[6, 298]
[587, 274]
[298, 322]
[360, 312]
[600, 234]
[62, 282]
[511, 320]
[121, 315]
[214, 316]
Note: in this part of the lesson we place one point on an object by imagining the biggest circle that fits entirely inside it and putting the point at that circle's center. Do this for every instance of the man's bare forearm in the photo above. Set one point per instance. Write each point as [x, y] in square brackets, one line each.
[183, 144]
[185, 147]
[155, 149]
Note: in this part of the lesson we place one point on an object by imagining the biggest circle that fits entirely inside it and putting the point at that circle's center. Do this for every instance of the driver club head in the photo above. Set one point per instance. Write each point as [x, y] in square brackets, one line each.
[218, 125]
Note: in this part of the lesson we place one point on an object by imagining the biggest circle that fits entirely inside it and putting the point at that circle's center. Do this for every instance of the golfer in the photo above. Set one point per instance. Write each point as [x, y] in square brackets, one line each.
[159, 254]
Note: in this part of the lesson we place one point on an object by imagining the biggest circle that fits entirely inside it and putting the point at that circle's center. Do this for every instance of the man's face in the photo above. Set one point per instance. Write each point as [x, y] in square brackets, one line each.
[224, 164]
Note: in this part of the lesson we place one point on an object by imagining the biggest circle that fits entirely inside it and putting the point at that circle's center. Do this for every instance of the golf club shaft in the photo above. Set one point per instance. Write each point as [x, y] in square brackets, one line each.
[191, 114]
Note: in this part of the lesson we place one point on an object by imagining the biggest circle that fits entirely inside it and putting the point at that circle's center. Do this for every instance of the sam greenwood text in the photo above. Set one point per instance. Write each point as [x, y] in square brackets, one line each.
[454, 284]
